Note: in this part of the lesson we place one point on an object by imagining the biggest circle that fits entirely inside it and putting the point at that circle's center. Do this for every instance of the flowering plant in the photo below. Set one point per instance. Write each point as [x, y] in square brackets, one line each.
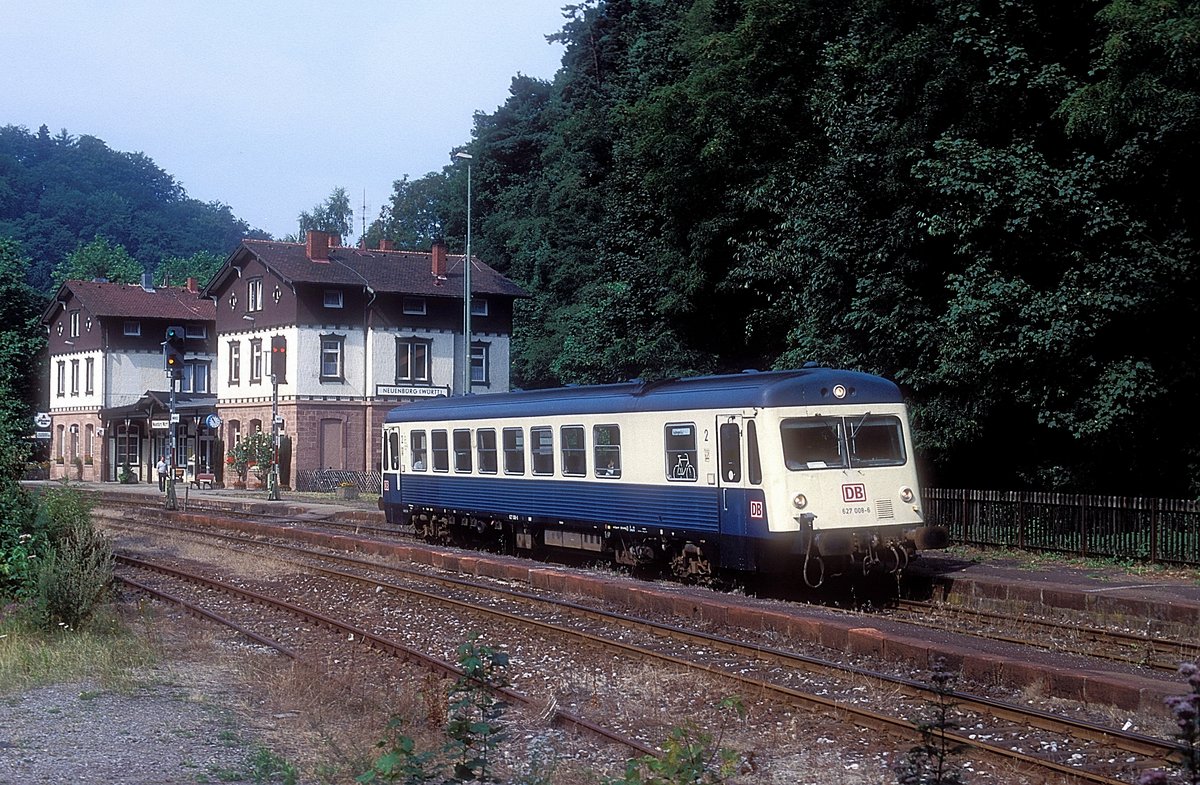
[345, 484]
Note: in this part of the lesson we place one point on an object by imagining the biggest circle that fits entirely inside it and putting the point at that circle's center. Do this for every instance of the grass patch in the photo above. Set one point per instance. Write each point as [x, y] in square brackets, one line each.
[105, 652]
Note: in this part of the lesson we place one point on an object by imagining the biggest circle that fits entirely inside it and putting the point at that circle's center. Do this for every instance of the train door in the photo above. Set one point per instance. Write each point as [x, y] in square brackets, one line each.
[742, 503]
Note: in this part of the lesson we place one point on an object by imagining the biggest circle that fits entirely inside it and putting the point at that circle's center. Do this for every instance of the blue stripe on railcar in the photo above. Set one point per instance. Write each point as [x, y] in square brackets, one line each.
[655, 506]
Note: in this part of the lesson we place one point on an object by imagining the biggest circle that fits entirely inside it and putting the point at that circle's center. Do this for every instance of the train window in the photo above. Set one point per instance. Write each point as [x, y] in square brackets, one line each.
[541, 442]
[420, 447]
[574, 452]
[485, 439]
[514, 451]
[680, 444]
[441, 452]
[462, 450]
[813, 443]
[875, 440]
[753, 461]
[606, 441]
[393, 456]
[730, 438]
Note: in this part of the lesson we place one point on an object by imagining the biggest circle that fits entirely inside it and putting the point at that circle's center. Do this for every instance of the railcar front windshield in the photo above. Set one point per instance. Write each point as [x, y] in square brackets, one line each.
[864, 441]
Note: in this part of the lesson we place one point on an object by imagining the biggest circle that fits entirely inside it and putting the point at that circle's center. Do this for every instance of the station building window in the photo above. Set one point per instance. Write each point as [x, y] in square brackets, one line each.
[412, 360]
[333, 353]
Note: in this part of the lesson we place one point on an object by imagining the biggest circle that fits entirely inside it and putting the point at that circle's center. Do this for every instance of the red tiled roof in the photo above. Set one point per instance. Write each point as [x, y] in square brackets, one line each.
[127, 299]
[405, 272]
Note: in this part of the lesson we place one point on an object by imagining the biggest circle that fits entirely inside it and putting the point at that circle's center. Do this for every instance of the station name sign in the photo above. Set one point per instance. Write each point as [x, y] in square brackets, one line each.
[402, 391]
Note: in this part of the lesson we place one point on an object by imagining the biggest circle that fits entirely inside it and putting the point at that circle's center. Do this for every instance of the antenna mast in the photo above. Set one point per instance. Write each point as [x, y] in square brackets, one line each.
[364, 219]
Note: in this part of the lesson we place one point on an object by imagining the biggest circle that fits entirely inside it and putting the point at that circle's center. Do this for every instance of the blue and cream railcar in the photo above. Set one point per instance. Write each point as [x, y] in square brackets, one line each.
[787, 470]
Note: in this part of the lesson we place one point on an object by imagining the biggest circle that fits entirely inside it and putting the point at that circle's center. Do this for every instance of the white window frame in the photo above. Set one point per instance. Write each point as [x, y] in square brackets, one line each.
[256, 361]
[414, 306]
[334, 345]
[235, 363]
[254, 295]
[334, 298]
[479, 306]
[405, 347]
[133, 328]
[195, 331]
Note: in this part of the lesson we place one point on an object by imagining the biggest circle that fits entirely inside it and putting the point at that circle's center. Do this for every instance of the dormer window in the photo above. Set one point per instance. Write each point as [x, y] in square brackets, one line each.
[414, 306]
[333, 298]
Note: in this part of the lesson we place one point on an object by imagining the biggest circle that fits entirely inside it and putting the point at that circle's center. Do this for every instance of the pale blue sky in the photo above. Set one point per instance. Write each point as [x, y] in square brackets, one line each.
[267, 105]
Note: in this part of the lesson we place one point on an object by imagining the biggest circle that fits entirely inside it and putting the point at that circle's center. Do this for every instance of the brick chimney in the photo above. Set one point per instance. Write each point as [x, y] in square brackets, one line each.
[386, 245]
[192, 286]
[317, 246]
[438, 254]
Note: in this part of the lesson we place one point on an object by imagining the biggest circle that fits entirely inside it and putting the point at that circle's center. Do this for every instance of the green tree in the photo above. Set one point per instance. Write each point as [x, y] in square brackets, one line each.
[334, 215]
[99, 259]
[201, 265]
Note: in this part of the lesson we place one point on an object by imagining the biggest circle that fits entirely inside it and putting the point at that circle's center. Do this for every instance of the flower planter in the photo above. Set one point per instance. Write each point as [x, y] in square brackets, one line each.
[346, 492]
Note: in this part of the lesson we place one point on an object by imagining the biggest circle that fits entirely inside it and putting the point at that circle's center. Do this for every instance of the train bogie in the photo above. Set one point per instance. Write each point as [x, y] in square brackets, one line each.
[753, 472]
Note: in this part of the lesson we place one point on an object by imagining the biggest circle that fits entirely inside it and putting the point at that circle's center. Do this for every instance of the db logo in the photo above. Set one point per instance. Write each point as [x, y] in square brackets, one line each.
[856, 492]
[387, 485]
[756, 509]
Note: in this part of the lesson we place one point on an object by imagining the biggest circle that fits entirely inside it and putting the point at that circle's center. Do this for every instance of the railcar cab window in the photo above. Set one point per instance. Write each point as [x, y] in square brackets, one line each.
[514, 450]
[606, 441]
[680, 445]
[542, 447]
[462, 450]
[441, 452]
[574, 452]
[420, 451]
[393, 450]
[842, 442]
[485, 439]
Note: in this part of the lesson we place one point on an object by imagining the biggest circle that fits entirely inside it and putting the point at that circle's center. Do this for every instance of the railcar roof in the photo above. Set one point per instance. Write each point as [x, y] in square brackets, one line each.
[803, 387]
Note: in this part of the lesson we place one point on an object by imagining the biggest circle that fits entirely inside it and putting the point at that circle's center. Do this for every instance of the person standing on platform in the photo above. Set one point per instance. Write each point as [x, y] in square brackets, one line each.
[162, 468]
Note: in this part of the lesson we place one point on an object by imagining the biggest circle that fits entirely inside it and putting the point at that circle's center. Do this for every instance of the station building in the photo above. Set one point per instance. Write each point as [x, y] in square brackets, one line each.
[362, 330]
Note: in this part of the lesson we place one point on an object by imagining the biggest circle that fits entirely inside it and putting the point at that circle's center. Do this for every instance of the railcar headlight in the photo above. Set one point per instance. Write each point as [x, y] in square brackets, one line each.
[800, 501]
[907, 495]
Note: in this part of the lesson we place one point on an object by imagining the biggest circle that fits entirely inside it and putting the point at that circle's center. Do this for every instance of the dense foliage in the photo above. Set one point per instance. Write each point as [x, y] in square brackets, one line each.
[60, 193]
[985, 200]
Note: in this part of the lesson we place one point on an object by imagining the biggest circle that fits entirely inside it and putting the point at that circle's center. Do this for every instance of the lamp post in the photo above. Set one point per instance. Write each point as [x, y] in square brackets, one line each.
[467, 285]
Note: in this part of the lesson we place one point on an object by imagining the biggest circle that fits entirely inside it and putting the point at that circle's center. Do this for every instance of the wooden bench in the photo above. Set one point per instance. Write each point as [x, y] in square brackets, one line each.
[203, 480]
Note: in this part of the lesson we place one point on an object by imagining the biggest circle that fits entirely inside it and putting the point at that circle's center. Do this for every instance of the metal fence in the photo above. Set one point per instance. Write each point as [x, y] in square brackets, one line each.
[1156, 530]
[326, 480]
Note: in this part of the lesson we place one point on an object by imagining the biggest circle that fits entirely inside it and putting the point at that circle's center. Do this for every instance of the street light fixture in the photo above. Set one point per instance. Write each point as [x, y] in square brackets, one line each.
[467, 285]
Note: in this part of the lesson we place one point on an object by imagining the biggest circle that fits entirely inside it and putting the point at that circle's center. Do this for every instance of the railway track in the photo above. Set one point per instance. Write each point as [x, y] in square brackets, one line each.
[1147, 650]
[1013, 733]
[1151, 650]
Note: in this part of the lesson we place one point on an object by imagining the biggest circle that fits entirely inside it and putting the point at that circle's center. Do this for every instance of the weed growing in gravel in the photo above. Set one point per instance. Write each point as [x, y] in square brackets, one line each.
[473, 728]
[1186, 709]
[690, 757]
[928, 763]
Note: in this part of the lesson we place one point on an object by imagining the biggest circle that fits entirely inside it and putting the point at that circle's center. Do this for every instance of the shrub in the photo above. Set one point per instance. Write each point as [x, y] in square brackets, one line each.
[73, 578]
[928, 763]
[1186, 710]
[690, 757]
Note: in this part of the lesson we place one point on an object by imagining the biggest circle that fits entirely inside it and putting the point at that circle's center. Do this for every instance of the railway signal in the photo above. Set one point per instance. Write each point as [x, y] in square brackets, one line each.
[173, 351]
[279, 358]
